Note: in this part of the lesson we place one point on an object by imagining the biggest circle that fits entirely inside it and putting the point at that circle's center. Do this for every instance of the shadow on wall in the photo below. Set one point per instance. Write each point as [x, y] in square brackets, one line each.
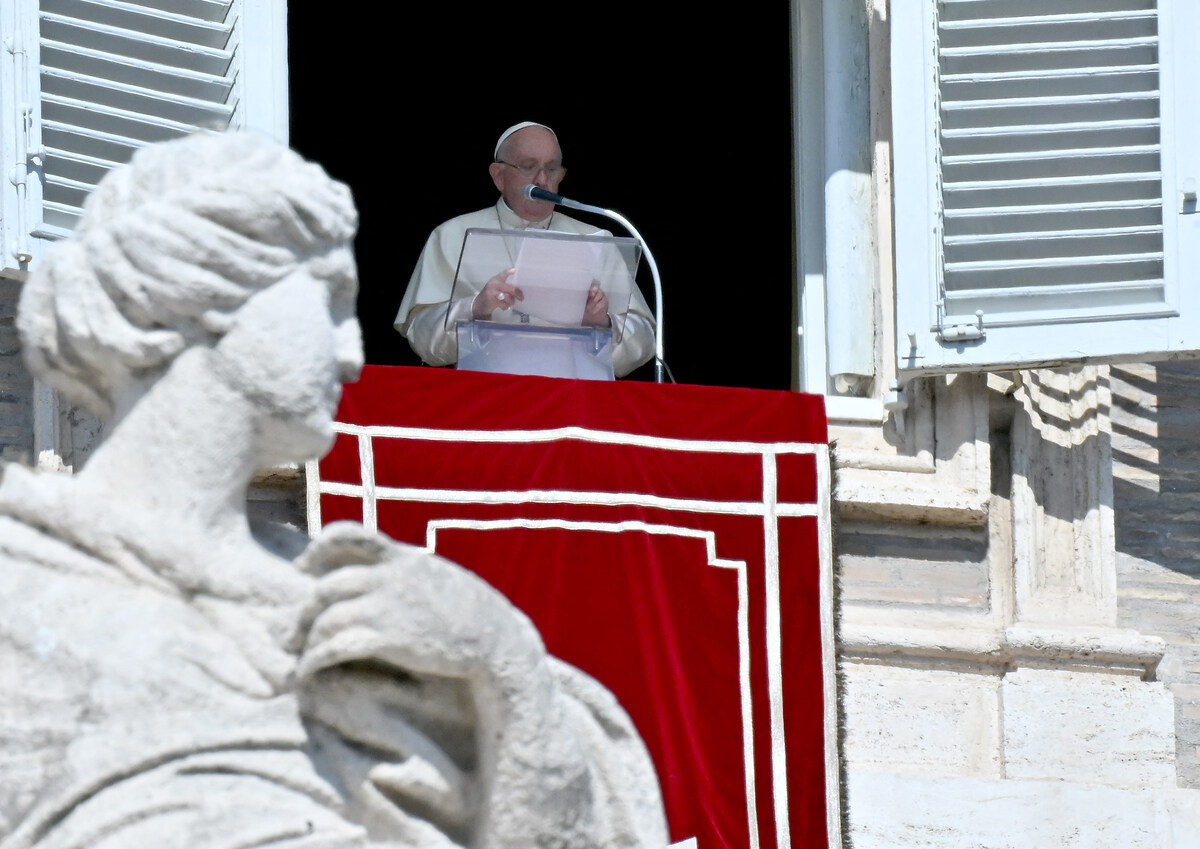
[1156, 463]
[1156, 495]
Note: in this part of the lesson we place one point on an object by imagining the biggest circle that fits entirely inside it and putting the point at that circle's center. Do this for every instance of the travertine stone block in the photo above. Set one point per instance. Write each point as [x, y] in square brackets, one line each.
[1088, 726]
[921, 720]
[957, 813]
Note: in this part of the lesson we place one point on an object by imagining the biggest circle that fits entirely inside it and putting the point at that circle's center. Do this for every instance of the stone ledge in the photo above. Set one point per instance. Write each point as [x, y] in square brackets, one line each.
[1110, 648]
[899, 503]
[1015, 646]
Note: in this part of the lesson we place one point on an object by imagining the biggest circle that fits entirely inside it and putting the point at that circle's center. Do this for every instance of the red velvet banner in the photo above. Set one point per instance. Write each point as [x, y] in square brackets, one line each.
[671, 541]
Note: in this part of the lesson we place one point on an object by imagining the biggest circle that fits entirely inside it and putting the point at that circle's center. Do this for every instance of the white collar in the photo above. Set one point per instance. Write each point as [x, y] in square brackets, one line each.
[509, 220]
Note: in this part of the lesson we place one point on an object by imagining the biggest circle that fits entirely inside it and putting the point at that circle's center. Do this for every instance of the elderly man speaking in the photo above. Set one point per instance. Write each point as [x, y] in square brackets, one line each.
[526, 153]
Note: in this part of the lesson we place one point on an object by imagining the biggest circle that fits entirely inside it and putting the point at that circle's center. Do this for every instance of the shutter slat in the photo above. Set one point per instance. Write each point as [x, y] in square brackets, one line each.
[59, 215]
[1048, 82]
[1104, 275]
[1097, 233]
[1115, 99]
[1072, 20]
[1120, 207]
[1136, 298]
[66, 193]
[1053, 184]
[1146, 286]
[1048, 138]
[1050, 164]
[954, 10]
[1012, 249]
[1049, 32]
[78, 141]
[1026, 158]
[1076, 191]
[1031, 51]
[76, 169]
[1076, 75]
[1048, 57]
[996, 117]
[1068, 127]
[1067, 263]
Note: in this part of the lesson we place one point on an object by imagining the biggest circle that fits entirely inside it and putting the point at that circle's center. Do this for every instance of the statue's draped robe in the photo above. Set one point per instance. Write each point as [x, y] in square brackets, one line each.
[145, 705]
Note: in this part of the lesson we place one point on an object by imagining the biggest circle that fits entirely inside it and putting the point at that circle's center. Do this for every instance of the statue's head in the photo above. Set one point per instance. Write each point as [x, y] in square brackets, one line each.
[168, 252]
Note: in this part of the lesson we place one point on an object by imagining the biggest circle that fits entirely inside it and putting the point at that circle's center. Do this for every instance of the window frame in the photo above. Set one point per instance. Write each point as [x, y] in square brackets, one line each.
[818, 39]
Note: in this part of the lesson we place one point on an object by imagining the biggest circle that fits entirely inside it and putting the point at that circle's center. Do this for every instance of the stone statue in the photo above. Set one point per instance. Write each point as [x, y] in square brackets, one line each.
[172, 676]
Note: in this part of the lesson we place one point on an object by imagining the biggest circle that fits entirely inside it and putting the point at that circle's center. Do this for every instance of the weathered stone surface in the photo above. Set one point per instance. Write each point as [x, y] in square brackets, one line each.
[16, 386]
[172, 675]
[1114, 730]
[887, 811]
[1061, 713]
[921, 721]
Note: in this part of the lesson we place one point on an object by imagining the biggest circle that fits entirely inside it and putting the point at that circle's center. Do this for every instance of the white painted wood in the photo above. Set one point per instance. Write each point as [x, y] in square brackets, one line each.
[116, 76]
[1041, 153]
[809, 137]
[20, 189]
[102, 78]
[850, 270]
[263, 84]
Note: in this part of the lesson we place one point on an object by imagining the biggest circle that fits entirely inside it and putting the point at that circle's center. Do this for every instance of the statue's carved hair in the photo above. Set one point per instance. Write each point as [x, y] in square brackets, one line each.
[167, 250]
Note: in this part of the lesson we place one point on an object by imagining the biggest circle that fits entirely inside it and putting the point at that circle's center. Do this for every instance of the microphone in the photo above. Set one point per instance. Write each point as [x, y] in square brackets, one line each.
[532, 192]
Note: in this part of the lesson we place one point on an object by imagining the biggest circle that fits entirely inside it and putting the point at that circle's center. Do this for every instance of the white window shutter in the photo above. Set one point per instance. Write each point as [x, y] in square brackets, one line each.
[18, 132]
[105, 77]
[1043, 150]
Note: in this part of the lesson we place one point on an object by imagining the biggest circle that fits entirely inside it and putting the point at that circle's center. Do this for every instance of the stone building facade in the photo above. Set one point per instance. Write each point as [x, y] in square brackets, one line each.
[1017, 548]
[1018, 637]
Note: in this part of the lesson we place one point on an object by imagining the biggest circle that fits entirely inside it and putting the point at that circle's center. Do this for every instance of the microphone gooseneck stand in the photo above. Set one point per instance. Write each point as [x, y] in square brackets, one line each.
[534, 193]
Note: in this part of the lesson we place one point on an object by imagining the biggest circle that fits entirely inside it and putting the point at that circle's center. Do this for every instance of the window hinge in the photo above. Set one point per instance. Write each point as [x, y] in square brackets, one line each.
[962, 332]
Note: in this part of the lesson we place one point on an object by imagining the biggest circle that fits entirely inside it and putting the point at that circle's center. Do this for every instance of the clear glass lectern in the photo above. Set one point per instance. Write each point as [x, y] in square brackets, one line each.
[543, 331]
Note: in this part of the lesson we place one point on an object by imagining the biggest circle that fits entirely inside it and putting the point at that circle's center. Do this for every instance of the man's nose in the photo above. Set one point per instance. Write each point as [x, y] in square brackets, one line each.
[541, 179]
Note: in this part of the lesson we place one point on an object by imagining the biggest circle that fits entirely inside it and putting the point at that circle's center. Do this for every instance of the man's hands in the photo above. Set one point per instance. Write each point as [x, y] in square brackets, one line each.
[498, 293]
[595, 311]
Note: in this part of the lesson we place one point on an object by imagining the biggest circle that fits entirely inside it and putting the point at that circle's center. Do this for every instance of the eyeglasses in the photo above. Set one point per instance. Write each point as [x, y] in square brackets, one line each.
[531, 169]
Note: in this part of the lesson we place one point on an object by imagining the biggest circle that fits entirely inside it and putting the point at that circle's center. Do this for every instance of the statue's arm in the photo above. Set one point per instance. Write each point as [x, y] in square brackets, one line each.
[551, 754]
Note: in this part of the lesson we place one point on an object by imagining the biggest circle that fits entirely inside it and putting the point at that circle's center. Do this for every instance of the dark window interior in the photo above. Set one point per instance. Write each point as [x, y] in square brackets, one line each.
[681, 122]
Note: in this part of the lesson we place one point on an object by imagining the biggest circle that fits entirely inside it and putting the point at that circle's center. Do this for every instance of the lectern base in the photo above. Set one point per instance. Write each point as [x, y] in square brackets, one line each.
[576, 352]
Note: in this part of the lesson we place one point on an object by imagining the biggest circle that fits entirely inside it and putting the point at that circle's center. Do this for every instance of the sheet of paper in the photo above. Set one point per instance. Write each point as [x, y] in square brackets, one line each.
[554, 276]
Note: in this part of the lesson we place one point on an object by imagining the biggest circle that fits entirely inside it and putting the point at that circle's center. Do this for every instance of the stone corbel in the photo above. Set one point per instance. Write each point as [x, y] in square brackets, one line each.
[936, 469]
[1064, 552]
